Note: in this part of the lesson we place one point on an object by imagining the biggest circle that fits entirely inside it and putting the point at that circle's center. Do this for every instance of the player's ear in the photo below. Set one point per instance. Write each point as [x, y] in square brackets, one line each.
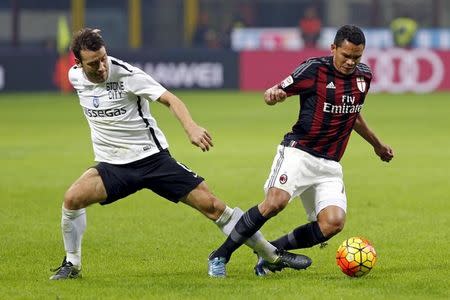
[333, 48]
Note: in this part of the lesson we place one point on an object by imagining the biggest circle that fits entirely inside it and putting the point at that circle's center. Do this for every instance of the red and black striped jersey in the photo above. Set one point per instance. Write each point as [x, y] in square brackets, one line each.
[329, 105]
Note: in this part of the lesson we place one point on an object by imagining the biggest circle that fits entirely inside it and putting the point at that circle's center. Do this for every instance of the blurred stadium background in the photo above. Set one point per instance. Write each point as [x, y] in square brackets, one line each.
[133, 248]
[236, 43]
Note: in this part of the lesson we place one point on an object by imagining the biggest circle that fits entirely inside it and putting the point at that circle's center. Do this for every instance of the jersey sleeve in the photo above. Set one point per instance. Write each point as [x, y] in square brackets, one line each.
[74, 75]
[366, 71]
[302, 78]
[142, 84]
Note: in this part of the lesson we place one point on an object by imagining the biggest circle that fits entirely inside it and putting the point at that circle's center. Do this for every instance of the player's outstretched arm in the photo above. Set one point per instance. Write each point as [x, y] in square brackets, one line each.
[384, 151]
[198, 136]
[274, 95]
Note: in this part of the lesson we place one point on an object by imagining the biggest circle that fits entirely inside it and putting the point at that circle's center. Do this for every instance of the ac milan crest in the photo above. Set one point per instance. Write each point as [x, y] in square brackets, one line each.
[361, 84]
[283, 179]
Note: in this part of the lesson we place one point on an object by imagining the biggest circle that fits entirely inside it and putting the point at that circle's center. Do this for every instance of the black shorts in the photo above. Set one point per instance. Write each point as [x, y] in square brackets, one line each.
[159, 172]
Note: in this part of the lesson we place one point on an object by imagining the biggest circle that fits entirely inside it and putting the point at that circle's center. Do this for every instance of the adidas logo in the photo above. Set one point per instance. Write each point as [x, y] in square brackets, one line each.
[331, 85]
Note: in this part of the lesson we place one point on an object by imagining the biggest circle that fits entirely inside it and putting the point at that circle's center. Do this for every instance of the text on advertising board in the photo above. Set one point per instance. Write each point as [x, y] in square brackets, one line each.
[186, 75]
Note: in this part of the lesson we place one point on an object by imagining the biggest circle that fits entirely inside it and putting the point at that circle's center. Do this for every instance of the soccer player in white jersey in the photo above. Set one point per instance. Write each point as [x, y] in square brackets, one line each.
[132, 152]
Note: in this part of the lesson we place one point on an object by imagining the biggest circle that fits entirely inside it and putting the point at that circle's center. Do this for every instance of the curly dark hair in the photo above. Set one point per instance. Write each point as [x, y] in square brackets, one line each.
[86, 39]
[351, 33]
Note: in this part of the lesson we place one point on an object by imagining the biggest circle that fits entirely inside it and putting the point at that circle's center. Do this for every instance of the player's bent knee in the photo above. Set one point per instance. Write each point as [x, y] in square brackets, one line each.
[272, 206]
[336, 227]
[331, 220]
[331, 227]
[72, 200]
[86, 190]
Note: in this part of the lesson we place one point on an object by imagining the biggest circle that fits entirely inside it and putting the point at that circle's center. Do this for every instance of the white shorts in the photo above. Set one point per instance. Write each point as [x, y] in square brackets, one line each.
[318, 181]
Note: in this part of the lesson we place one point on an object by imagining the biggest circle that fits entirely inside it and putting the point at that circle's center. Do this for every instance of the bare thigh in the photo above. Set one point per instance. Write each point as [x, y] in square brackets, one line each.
[86, 190]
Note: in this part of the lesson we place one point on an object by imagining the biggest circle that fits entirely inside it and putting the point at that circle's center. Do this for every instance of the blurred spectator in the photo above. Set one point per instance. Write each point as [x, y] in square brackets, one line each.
[204, 35]
[62, 67]
[66, 59]
[403, 31]
[225, 35]
[245, 16]
[310, 26]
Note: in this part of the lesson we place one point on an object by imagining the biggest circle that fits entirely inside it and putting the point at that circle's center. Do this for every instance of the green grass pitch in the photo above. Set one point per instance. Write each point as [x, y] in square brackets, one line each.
[145, 247]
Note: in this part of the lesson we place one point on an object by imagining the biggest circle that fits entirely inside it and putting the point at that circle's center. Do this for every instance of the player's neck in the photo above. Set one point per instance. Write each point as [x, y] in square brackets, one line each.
[93, 79]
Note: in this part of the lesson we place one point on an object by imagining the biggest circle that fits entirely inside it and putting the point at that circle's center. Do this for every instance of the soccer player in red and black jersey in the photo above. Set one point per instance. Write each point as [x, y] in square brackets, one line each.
[332, 91]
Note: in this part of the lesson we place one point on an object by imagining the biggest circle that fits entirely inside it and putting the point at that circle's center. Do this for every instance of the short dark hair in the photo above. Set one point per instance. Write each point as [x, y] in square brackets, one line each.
[86, 39]
[351, 33]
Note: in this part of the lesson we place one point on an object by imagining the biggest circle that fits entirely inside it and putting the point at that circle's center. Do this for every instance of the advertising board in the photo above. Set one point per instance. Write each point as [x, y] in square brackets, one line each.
[395, 70]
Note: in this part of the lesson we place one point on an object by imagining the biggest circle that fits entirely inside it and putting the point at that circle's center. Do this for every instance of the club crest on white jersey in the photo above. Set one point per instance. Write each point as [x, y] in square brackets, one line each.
[96, 101]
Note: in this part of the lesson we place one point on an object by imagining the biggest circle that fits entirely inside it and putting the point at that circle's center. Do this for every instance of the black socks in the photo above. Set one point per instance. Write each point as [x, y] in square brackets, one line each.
[304, 236]
[250, 222]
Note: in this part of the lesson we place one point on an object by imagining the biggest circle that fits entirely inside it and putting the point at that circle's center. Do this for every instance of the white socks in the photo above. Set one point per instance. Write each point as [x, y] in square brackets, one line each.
[257, 242]
[73, 224]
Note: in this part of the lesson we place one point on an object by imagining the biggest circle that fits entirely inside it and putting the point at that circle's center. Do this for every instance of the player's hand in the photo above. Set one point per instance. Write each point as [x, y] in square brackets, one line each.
[200, 137]
[274, 95]
[385, 152]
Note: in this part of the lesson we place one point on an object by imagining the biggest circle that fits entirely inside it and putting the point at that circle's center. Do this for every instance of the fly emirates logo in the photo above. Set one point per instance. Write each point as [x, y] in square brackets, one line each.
[348, 106]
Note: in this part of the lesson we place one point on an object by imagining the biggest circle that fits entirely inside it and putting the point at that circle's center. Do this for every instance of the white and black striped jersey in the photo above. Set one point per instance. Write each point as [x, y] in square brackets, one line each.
[118, 113]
